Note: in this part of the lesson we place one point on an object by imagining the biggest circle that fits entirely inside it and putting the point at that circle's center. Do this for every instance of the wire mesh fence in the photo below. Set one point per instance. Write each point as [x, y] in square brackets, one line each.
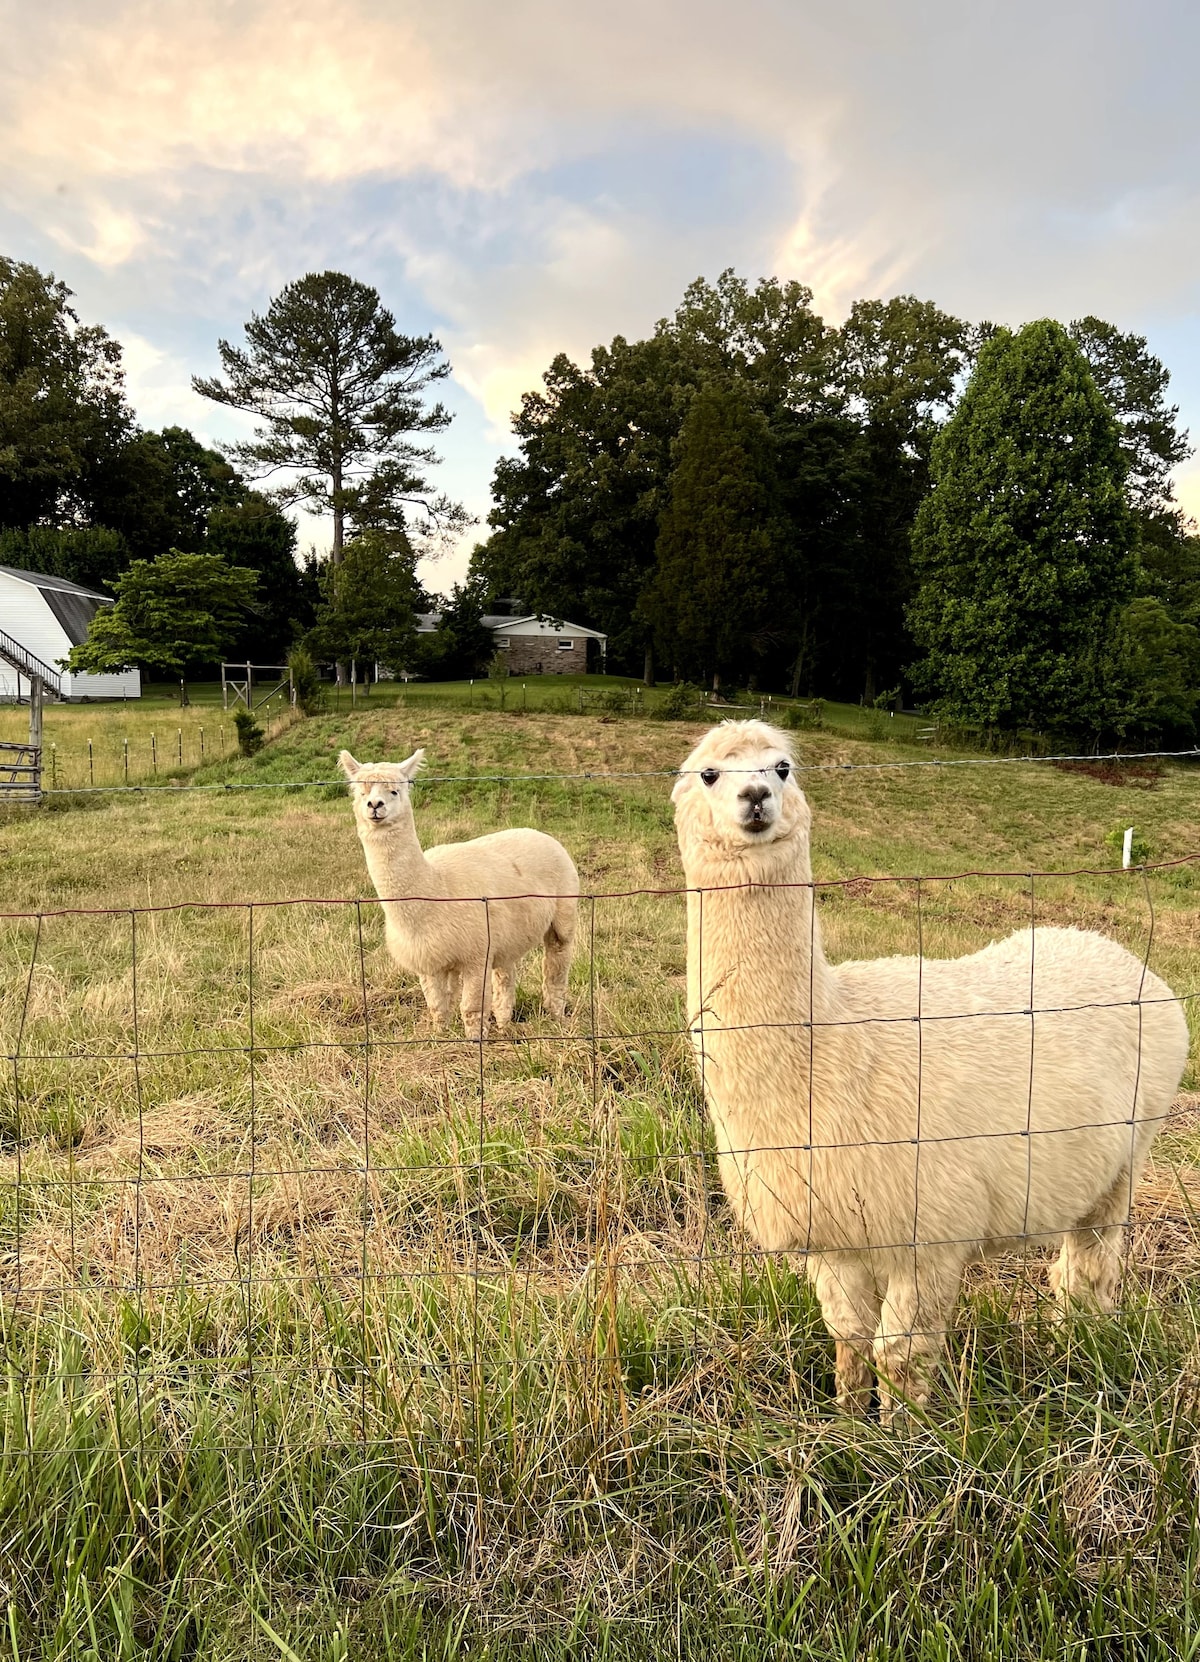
[245, 1182]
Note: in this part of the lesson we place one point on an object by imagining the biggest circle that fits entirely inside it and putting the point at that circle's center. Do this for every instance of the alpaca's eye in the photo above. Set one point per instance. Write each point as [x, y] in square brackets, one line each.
[709, 775]
[395, 793]
[783, 769]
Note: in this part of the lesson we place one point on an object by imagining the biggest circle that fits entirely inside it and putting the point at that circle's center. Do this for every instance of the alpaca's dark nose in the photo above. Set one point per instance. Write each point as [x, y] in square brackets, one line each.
[756, 795]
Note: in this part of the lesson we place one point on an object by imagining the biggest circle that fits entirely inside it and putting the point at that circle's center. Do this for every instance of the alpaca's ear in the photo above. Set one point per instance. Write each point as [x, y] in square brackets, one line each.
[348, 765]
[413, 765]
[680, 786]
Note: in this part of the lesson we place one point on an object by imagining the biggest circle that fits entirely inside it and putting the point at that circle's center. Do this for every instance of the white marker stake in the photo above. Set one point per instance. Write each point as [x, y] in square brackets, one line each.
[1127, 848]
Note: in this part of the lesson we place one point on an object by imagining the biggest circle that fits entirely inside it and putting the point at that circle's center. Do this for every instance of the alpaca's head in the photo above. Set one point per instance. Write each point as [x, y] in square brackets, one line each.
[380, 789]
[737, 792]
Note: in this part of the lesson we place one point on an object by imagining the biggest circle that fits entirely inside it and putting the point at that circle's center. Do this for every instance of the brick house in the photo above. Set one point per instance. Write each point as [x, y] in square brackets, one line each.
[539, 645]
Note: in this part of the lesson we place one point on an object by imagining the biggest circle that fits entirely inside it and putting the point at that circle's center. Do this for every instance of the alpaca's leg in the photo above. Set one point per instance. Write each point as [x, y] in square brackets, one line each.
[439, 990]
[475, 1003]
[912, 1331]
[559, 942]
[504, 992]
[850, 1302]
[1088, 1269]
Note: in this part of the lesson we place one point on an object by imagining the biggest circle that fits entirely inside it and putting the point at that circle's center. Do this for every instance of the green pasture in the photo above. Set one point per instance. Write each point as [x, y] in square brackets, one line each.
[329, 1338]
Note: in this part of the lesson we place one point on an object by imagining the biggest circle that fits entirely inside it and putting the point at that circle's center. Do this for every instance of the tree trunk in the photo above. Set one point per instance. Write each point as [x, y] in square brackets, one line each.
[337, 552]
[648, 666]
[716, 686]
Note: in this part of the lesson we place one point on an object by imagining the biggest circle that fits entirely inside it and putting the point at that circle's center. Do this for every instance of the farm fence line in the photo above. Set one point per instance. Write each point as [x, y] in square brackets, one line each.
[306, 1181]
[588, 774]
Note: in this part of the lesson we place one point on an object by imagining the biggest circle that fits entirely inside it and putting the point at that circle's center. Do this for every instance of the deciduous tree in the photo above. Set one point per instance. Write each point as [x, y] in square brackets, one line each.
[63, 413]
[172, 612]
[368, 604]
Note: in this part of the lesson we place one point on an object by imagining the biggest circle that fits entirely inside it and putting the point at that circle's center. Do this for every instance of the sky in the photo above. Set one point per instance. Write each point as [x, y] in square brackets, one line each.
[530, 178]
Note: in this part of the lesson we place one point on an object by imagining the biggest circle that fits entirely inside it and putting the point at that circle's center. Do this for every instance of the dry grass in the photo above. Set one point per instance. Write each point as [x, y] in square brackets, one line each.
[329, 1227]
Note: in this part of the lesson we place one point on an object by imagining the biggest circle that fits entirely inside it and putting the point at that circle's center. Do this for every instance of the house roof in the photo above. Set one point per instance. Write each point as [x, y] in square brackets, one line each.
[43, 580]
[498, 622]
[72, 606]
[506, 625]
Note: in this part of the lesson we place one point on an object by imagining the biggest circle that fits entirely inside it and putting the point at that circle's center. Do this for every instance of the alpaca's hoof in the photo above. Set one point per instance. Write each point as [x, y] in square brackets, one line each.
[854, 1402]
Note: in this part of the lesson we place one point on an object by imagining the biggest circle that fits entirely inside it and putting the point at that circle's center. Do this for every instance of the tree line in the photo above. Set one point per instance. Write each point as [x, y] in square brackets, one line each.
[905, 505]
[196, 544]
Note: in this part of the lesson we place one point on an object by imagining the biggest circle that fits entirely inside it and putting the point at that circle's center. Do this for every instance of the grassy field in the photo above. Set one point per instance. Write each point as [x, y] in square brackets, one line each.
[326, 1338]
[152, 739]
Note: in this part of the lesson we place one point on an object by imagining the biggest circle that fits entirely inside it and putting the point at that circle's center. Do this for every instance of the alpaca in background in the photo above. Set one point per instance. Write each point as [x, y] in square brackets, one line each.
[462, 916]
[889, 1145]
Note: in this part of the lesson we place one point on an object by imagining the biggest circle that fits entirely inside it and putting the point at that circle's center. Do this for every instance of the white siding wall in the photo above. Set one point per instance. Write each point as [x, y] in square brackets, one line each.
[126, 684]
[25, 616]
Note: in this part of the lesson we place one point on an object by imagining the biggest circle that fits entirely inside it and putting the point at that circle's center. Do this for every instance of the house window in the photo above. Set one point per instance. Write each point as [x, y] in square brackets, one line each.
[502, 643]
[566, 646]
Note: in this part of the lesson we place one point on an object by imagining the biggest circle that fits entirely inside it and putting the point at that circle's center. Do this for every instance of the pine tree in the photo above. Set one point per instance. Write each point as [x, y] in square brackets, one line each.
[1023, 548]
[339, 393]
[720, 574]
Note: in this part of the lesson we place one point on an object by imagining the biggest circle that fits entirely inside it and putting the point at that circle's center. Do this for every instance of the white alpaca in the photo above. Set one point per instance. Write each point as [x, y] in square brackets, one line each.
[462, 916]
[893, 1151]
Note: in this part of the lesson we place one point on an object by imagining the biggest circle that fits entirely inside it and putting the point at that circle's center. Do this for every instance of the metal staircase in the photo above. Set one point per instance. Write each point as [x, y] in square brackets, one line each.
[26, 664]
[21, 764]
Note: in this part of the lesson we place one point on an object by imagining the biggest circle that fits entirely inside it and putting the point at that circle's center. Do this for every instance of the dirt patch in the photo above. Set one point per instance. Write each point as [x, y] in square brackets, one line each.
[1142, 776]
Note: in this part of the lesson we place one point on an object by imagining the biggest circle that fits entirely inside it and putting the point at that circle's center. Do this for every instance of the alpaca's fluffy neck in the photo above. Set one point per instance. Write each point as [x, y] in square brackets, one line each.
[754, 939]
[765, 1011]
[399, 869]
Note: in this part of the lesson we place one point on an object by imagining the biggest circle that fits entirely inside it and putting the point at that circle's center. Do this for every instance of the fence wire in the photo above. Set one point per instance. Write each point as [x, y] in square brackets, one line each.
[599, 774]
[243, 1175]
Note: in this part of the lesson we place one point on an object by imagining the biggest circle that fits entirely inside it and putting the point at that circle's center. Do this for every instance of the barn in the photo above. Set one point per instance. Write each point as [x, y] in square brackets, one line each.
[41, 619]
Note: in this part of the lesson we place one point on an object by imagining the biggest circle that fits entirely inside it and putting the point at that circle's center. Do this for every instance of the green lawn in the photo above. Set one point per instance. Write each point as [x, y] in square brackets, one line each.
[331, 1340]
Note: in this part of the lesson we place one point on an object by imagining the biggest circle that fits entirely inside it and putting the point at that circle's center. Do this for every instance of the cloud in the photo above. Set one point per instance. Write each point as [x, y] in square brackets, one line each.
[537, 177]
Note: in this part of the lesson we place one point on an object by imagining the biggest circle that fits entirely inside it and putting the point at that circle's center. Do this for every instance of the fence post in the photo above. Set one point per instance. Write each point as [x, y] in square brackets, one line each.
[126, 761]
[54, 764]
[181, 747]
[35, 732]
[154, 752]
[91, 768]
[1127, 848]
[202, 744]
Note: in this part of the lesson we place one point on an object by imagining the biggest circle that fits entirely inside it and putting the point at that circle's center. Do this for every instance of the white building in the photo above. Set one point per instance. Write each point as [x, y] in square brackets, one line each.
[41, 619]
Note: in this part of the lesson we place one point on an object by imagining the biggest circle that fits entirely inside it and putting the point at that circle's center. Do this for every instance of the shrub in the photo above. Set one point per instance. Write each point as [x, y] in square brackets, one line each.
[809, 715]
[310, 695]
[250, 735]
[878, 724]
[1139, 851]
[679, 702]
